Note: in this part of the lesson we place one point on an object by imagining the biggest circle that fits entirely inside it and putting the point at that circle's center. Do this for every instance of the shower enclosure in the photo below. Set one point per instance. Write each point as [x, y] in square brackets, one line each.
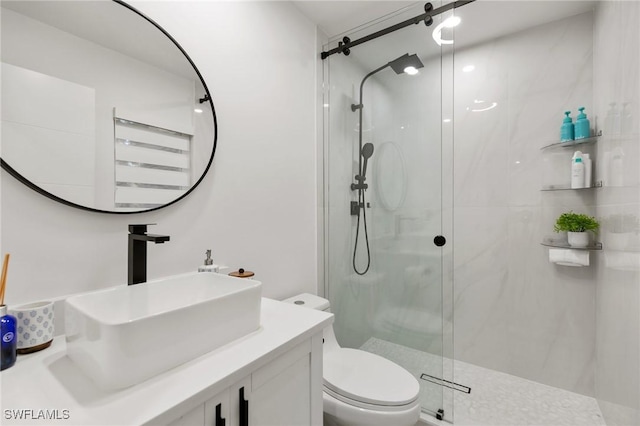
[536, 343]
[388, 198]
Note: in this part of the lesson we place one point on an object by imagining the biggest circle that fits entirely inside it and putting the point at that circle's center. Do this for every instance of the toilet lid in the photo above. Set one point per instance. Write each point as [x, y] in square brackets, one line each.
[369, 378]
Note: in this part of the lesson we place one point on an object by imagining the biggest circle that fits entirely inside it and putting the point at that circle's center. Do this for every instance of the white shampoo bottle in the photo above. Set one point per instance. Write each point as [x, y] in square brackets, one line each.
[588, 167]
[577, 171]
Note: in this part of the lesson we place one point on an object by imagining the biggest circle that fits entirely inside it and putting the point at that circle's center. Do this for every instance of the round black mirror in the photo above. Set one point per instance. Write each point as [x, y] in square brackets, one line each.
[101, 108]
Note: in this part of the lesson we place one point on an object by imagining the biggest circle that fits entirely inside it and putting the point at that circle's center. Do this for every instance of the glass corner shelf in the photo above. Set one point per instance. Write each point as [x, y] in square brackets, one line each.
[565, 245]
[598, 184]
[584, 141]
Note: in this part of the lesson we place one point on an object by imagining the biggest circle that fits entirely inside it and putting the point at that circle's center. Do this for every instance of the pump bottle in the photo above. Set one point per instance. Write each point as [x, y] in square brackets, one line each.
[567, 129]
[208, 264]
[577, 171]
[582, 126]
[588, 169]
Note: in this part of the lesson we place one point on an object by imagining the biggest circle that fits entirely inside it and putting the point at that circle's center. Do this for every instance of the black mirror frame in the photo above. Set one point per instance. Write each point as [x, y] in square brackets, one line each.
[6, 167]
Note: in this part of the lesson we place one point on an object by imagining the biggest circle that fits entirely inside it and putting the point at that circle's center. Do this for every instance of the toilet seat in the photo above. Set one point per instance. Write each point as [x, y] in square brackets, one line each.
[367, 380]
[359, 405]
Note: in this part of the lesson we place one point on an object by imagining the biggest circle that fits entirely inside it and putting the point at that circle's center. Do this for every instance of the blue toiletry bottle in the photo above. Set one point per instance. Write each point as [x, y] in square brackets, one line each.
[582, 127]
[9, 338]
[566, 131]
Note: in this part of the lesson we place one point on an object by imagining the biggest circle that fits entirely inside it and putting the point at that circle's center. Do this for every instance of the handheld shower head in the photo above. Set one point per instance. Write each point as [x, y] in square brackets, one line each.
[366, 152]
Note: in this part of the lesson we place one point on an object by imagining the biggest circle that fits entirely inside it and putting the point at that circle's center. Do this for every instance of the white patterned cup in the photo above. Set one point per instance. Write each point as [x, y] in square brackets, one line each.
[34, 326]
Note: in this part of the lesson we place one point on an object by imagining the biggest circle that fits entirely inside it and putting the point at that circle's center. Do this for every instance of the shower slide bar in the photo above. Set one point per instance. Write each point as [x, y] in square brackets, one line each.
[346, 44]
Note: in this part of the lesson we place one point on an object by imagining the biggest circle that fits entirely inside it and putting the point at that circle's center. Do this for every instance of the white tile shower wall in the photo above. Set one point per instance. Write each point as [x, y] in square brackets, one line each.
[352, 319]
[514, 311]
[617, 103]
[257, 206]
[394, 297]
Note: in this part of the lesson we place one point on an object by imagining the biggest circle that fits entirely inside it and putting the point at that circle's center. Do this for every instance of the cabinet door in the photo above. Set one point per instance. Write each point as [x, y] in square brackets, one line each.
[240, 403]
[281, 390]
[216, 410]
[194, 417]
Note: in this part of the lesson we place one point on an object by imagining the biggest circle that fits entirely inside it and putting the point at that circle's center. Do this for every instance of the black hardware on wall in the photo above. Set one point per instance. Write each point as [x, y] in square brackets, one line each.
[219, 420]
[345, 50]
[346, 44]
[439, 240]
[244, 409]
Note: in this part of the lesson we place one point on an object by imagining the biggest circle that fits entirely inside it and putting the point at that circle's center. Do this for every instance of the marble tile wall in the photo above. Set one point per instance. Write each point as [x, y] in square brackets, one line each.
[617, 109]
[513, 310]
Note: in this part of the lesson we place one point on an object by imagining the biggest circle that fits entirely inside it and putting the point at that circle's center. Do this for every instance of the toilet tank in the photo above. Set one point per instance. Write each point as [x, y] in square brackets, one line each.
[309, 300]
[329, 341]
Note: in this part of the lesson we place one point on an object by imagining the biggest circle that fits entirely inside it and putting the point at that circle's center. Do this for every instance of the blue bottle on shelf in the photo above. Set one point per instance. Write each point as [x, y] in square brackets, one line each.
[567, 130]
[9, 339]
[582, 127]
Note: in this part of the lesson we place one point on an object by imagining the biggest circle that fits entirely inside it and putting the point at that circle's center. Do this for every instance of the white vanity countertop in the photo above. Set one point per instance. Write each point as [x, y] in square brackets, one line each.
[49, 380]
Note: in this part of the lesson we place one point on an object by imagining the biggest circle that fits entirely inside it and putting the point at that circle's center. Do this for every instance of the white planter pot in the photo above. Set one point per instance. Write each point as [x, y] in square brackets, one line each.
[578, 239]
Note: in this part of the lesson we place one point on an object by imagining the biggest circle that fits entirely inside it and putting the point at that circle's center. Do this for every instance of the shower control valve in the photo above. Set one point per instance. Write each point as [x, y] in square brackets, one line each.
[355, 208]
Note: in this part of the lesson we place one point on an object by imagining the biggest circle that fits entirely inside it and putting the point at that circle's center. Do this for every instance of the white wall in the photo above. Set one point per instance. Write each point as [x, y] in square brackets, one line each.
[617, 80]
[255, 209]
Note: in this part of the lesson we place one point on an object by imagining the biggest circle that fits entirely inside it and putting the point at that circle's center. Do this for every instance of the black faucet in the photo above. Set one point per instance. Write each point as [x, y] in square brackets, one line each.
[138, 239]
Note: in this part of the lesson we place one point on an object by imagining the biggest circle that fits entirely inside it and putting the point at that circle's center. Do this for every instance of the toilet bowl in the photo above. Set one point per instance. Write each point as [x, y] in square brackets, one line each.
[361, 388]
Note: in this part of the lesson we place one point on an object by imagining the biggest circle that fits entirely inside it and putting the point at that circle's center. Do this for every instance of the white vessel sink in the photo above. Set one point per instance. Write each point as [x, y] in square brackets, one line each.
[125, 335]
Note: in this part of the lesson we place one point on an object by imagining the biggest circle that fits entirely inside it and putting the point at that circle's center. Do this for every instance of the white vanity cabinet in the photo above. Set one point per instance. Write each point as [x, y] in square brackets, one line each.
[278, 369]
[215, 411]
[282, 392]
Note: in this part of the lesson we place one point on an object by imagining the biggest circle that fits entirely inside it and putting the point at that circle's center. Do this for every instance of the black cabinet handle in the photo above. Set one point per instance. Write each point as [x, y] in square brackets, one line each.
[244, 409]
[219, 420]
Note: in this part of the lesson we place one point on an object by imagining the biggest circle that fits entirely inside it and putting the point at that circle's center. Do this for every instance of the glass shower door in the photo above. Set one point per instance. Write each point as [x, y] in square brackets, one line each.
[385, 268]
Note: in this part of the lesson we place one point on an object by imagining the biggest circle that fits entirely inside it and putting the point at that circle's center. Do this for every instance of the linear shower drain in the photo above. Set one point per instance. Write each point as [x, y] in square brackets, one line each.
[447, 383]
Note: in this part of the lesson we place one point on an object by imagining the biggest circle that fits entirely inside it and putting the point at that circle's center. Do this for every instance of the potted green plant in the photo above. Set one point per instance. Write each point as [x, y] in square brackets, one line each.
[576, 225]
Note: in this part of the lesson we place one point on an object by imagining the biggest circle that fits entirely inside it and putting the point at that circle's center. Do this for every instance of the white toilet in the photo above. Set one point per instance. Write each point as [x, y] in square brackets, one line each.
[361, 388]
